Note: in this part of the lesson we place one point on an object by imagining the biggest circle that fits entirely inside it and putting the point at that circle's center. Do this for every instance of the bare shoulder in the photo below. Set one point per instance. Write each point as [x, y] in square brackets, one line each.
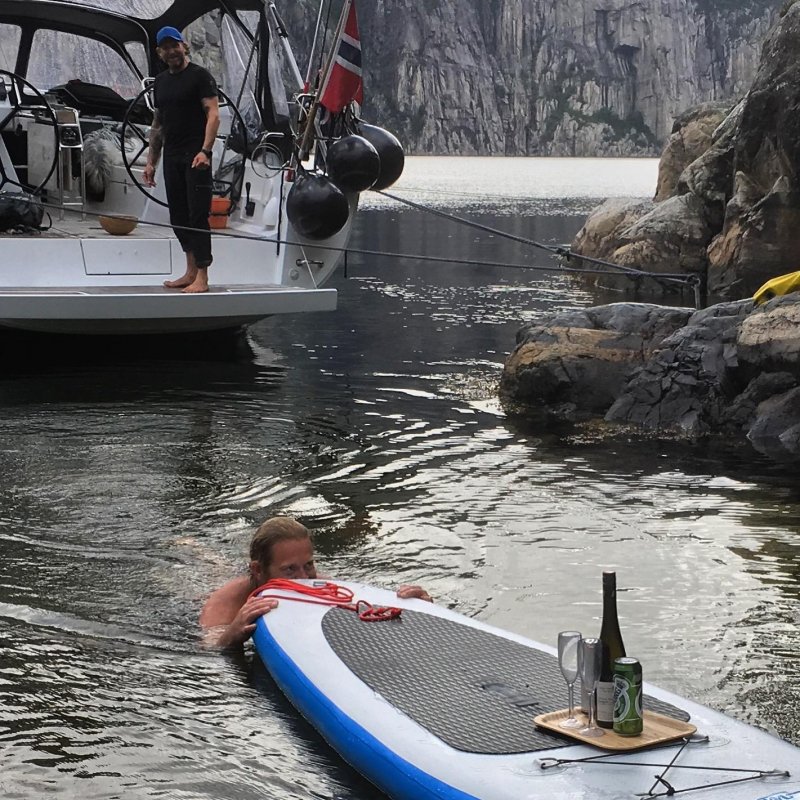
[224, 603]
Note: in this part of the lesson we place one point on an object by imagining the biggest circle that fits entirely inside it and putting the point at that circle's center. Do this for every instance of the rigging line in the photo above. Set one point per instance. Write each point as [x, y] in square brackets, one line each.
[379, 253]
[472, 224]
[555, 250]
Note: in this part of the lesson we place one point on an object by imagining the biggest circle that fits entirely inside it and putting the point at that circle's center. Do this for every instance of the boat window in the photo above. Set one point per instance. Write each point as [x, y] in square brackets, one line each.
[239, 66]
[138, 55]
[58, 57]
[203, 39]
[144, 9]
[9, 44]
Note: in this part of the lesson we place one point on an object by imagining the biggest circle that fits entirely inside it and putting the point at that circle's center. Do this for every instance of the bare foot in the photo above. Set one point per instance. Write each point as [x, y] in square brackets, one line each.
[187, 280]
[200, 284]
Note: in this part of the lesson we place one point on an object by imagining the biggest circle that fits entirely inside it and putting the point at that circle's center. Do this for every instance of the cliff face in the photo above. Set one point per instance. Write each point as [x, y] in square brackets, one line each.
[534, 77]
[553, 77]
[727, 206]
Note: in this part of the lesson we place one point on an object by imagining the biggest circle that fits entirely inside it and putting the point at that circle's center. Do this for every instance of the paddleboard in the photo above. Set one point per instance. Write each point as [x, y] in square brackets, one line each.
[433, 704]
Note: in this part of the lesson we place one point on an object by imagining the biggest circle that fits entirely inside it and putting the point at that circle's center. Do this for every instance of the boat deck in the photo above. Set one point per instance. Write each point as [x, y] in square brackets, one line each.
[73, 227]
[160, 291]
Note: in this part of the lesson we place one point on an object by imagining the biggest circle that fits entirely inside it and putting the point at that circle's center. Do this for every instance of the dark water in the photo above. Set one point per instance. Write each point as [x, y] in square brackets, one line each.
[130, 487]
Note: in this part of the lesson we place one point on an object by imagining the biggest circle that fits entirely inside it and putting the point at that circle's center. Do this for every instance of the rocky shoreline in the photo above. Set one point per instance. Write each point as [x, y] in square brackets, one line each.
[726, 214]
[731, 369]
[727, 206]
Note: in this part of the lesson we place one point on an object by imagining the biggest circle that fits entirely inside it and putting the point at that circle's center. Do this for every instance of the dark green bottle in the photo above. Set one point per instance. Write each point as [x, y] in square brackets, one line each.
[613, 648]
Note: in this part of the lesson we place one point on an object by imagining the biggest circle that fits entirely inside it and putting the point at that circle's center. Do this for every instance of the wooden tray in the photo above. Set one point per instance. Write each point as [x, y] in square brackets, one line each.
[657, 730]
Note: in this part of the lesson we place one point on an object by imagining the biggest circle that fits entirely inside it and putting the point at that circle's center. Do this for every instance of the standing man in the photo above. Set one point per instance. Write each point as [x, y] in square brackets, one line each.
[185, 126]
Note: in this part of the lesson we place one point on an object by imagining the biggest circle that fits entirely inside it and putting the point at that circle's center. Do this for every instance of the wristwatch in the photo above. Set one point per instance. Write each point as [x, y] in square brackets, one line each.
[207, 153]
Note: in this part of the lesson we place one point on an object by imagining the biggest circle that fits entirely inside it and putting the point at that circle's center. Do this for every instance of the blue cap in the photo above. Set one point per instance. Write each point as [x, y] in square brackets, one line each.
[168, 33]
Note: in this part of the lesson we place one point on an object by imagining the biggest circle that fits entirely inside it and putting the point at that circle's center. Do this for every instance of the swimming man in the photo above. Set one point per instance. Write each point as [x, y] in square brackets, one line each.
[280, 548]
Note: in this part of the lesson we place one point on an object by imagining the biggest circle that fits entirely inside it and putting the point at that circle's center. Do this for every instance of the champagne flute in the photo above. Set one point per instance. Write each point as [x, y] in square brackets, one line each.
[589, 661]
[568, 642]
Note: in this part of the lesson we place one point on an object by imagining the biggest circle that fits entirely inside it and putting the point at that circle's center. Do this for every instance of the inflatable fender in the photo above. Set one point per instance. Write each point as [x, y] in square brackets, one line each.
[316, 207]
[353, 163]
[390, 152]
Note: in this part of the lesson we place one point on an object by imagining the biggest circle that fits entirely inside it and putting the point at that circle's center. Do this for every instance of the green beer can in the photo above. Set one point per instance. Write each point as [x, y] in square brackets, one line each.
[628, 719]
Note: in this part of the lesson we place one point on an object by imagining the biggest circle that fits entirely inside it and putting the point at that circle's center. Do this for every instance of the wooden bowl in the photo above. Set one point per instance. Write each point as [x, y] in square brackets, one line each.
[118, 225]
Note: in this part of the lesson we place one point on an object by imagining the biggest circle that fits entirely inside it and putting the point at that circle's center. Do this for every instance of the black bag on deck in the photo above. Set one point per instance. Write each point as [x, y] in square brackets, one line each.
[20, 212]
[93, 99]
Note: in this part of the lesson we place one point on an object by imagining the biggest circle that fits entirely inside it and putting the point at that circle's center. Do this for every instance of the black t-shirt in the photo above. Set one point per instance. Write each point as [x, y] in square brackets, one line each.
[178, 96]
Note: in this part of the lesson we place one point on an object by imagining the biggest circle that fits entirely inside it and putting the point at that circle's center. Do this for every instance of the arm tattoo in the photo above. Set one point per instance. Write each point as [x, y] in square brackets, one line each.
[156, 139]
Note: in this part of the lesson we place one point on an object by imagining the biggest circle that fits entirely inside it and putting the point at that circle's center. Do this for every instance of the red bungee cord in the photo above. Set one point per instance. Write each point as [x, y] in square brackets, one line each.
[326, 594]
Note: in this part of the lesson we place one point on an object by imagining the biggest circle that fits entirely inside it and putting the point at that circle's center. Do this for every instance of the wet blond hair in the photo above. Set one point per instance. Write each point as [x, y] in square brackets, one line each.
[269, 533]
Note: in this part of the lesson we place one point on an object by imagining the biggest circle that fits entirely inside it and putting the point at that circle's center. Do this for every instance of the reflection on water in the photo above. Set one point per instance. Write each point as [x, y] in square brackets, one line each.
[131, 485]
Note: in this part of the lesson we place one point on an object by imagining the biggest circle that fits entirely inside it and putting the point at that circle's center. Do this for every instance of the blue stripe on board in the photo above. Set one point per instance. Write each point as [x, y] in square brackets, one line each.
[350, 53]
[400, 779]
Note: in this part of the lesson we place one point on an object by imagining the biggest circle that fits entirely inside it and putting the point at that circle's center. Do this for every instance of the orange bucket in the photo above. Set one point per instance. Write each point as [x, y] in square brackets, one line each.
[220, 208]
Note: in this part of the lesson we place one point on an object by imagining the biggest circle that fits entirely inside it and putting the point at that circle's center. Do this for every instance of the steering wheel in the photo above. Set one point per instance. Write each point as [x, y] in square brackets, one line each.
[12, 87]
[227, 180]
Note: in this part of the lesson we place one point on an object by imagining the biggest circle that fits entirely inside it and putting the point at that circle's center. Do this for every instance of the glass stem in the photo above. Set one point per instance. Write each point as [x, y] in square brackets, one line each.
[571, 691]
[591, 709]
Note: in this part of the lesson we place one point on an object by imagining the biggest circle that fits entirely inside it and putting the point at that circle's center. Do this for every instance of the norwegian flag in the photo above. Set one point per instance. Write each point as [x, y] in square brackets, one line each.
[343, 83]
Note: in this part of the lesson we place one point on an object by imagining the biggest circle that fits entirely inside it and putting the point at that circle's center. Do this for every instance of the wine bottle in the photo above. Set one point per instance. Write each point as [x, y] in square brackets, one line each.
[613, 647]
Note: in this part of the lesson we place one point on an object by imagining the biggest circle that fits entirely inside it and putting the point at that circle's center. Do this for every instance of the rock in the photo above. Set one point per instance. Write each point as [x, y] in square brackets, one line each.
[761, 229]
[539, 78]
[602, 233]
[741, 413]
[760, 239]
[669, 237]
[739, 180]
[576, 365]
[673, 236]
[770, 336]
[710, 176]
[776, 430]
[730, 369]
[692, 135]
[685, 384]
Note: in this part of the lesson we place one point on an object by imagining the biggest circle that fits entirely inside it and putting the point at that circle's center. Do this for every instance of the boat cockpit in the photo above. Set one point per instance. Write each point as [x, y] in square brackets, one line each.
[75, 107]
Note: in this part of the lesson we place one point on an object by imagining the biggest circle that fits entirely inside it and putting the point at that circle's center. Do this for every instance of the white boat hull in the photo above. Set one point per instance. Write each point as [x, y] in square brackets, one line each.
[146, 310]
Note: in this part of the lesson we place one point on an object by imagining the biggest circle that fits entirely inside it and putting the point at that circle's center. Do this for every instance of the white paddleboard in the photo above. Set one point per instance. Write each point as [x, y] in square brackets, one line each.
[437, 705]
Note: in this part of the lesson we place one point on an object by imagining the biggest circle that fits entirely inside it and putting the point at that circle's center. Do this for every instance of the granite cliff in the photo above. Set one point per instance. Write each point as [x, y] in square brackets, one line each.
[533, 77]
[553, 77]
[727, 205]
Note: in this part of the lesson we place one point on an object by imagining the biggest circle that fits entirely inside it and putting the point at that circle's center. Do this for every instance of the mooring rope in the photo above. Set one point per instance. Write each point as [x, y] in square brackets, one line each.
[558, 250]
[692, 281]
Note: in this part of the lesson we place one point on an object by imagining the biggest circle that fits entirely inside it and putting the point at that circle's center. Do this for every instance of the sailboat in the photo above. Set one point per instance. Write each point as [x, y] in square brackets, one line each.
[86, 247]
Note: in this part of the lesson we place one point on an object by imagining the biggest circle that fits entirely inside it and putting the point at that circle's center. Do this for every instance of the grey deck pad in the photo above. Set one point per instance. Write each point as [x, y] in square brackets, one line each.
[476, 691]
